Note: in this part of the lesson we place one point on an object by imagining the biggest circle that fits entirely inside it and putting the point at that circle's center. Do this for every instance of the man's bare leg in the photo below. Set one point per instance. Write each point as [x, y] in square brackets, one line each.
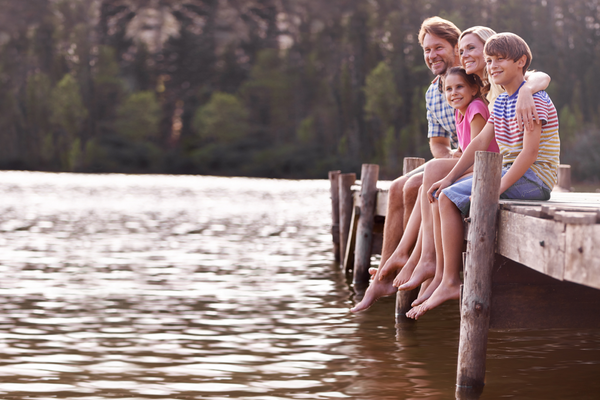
[393, 232]
[409, 245]
[452, 230]
[411, 194]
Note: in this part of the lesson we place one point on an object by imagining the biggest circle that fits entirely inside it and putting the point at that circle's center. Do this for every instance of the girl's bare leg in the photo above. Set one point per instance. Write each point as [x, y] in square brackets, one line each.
[452, 230]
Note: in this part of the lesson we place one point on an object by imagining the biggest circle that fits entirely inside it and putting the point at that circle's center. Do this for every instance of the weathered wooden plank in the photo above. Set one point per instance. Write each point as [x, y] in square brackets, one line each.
[577, 218]
[532, 211]
[381, 203]
[535, 242]
[582, 256]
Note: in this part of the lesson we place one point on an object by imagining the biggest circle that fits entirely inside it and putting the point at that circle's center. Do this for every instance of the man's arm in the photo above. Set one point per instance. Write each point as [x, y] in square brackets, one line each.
[440, 147]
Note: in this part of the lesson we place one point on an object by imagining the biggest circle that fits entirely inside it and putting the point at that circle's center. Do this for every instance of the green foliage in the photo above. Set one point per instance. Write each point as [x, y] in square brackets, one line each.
[138, 117]
[222, 119]
[93, 86]
[67, 111]
[306, 130]
[382, 99]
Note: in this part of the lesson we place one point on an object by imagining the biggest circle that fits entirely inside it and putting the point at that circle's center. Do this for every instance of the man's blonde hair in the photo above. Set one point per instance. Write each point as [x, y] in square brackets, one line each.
[441, 28]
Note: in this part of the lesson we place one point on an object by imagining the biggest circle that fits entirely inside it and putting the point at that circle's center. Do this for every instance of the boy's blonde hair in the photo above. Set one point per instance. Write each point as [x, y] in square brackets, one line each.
[510, 46]
[441, 28]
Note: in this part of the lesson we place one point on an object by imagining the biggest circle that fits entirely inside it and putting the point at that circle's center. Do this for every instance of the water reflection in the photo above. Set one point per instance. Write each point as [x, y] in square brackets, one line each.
[176, 287]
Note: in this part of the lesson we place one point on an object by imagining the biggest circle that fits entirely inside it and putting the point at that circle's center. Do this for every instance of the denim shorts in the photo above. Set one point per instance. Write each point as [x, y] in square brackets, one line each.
[528, 187]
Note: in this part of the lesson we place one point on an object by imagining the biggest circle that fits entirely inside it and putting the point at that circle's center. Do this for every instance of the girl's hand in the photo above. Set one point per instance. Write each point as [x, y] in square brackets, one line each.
[526, 113]
[437, 187]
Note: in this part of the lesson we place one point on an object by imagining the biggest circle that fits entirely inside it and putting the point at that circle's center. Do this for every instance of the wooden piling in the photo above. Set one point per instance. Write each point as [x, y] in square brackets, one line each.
[346, 202]
[335, 213]
[411, 163]
[564, 178]
[476, 299]
[364, 235]
[404, 298]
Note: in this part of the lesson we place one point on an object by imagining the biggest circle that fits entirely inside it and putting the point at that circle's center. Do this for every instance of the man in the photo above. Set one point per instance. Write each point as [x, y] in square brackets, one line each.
[439, 40]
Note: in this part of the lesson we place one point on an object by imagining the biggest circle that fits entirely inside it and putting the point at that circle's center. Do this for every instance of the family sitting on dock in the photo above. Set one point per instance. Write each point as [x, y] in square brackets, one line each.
[483, 98]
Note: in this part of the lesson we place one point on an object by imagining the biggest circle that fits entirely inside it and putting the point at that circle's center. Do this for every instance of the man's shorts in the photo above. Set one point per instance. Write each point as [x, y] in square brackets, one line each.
[528, 187]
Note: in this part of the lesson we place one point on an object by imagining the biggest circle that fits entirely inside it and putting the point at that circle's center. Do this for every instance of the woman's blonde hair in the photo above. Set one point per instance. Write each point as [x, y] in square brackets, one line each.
[490, 89]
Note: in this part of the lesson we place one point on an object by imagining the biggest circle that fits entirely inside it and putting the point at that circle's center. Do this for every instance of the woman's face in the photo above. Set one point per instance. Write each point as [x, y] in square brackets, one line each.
[470, 49]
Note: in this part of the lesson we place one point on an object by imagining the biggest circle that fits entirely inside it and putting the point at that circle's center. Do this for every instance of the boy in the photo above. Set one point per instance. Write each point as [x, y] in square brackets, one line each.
[530, 159]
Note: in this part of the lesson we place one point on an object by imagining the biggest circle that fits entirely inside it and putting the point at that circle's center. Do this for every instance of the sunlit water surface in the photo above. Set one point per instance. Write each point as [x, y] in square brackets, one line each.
[187, 287]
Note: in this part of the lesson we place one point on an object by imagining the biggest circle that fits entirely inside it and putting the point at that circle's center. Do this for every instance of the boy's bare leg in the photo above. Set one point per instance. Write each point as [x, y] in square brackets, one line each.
[393, 233]
[452, 241]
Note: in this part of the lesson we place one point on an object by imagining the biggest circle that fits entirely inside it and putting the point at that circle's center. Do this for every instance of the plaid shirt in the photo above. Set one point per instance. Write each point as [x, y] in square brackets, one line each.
[440, 116]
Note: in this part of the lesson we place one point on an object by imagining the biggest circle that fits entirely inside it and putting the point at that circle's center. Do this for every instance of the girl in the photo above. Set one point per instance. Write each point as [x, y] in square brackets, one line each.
[463, 93]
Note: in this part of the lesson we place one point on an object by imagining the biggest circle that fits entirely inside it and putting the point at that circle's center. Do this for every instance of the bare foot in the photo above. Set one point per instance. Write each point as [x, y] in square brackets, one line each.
[424, 270]
[375, 290]
[405, 273]
[426, 293]
[391, 267]
[443, 293]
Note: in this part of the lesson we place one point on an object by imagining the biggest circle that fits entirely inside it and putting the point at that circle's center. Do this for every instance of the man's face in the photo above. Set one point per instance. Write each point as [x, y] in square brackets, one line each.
[438, 53]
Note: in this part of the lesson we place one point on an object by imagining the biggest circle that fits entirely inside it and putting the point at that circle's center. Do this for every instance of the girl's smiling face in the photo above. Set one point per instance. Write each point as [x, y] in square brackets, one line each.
[458, 92]
[470, 49]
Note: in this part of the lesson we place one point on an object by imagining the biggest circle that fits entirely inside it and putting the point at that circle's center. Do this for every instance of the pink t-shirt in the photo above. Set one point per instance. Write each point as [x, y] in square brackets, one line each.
[463, 124]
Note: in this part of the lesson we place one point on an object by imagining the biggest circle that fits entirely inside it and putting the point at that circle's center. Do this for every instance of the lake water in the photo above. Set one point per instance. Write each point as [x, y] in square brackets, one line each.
[188, 287]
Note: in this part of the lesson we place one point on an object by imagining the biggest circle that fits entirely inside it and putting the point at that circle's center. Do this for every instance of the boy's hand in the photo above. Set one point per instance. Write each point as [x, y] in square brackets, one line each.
[526, 113]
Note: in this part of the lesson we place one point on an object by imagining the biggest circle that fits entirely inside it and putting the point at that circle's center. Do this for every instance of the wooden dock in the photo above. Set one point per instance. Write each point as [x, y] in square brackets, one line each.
[541, 268]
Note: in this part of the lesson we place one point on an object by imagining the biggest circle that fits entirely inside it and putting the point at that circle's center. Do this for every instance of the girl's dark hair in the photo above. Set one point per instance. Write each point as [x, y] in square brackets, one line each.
[472, 80]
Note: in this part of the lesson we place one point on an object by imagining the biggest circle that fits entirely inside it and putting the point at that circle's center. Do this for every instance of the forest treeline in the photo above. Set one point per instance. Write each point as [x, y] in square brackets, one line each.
[272, 88]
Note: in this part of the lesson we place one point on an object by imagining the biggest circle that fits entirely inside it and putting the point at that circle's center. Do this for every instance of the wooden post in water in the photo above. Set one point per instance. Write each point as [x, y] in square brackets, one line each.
[404, 298]
[335, 213]
[364, 235]
[346, 201]
[564, 177]
[477, 287]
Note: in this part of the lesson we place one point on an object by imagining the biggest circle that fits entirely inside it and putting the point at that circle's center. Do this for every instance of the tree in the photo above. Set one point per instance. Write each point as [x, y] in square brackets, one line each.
[138, 117]
[222, 119]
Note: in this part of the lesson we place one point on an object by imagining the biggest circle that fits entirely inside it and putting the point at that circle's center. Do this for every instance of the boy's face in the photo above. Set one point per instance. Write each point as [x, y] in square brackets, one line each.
[502, 70]
[439, 54]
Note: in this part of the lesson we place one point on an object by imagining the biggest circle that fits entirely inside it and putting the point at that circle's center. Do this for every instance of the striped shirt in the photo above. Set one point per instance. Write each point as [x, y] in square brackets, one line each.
[510, 137]
[440, 116]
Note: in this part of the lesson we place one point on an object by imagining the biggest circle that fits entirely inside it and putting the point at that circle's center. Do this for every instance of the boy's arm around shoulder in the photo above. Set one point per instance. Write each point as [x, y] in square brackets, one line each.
[525, 159]
[526, 112]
